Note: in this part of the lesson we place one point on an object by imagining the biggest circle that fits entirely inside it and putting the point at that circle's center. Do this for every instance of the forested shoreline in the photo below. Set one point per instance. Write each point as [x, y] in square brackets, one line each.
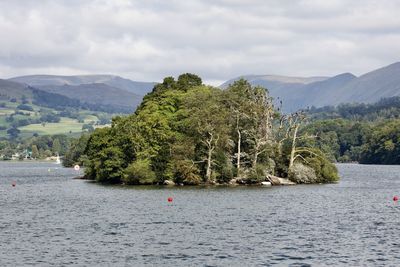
[188, 133]
[363, 133]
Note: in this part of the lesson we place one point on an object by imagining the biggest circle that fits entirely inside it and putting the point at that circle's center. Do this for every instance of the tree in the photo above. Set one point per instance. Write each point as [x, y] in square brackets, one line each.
[295, 121]
[76, 151]
[208, 121]
[56, 148]
[110, 165]
[35, 152]
[187, 81]
[262, 115]
[237, 96]
[383, 146]
[13, 132]
[88, 127]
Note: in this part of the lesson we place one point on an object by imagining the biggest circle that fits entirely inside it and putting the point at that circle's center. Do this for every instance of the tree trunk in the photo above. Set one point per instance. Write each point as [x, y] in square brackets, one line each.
[254, 164]
[293, 151]
[280, 148]
[238, 153]
[255, 158]
[208, 172]
[209, 157]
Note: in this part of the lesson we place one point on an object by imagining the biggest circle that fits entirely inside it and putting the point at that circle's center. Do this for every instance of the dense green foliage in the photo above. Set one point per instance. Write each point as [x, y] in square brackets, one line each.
[36, 147]
[383, 144]
[190, 133]
[139, 172]
[386, 108]
[75, 153]
[365, 133]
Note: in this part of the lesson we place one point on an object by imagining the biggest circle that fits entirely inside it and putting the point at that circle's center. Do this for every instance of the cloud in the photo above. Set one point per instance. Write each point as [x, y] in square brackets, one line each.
[220, 39]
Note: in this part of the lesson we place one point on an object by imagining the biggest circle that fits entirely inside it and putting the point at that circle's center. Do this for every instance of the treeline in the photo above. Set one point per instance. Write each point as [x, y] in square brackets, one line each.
[386, 108]
[364, 133]
[35, 147]
[188, 133]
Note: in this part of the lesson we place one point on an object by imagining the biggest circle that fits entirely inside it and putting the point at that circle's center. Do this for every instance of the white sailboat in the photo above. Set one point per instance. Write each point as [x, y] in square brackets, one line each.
[58, 161]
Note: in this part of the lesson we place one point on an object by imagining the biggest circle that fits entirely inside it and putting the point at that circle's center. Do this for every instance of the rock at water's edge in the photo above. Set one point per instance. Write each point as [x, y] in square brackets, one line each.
[275, 180]
[168, 182]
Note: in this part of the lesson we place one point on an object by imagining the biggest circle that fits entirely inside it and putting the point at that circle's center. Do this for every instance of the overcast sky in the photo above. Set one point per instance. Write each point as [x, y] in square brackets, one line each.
[216, 39]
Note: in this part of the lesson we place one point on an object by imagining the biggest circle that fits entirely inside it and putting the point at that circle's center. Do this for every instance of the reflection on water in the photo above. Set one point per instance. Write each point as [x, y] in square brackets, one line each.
[50, 219]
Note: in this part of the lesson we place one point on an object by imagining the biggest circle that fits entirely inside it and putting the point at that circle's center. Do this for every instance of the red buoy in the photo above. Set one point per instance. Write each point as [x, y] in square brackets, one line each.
[13, 184]
[170, 199]
[395, 198]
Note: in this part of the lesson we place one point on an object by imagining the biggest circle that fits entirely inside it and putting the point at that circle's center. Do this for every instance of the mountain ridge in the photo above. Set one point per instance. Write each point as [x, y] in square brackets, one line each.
[295, 92]
[38, 80]
[109, 91]
[342, 88]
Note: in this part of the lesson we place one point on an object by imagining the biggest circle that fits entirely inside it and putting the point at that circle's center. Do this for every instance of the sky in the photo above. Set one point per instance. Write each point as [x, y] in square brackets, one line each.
[216, 39]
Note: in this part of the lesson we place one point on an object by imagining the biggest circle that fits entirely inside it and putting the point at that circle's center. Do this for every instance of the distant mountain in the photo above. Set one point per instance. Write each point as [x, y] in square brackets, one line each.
[97, 94]
[298, 92]
[109, 92]
[21, 93]
[275, 81]
[96, 97]
[316, 94]
[372, 86]
[13, 90]
[138, 88]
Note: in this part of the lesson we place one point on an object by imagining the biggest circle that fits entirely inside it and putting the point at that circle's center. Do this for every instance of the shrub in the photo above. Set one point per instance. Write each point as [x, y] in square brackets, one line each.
[257, 174]
[225, 174]
[50, 117]
[139, 172]
[270, 166]
[186, 172]
[326, 171]
[25, 107]
[302, 174]
[223, 170]
[90, 170]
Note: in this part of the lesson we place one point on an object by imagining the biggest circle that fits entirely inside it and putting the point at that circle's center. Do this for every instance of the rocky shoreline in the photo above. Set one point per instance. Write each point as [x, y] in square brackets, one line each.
[271, 180]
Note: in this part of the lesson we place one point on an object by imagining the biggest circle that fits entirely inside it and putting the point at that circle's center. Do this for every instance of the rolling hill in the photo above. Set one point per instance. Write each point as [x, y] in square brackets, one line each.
[13, 90]
[98, 92]
[138, 88]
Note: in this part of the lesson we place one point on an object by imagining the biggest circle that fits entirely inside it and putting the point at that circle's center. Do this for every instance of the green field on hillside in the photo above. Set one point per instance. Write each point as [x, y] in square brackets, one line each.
[6, 111]
[12, 116]
[65, 126]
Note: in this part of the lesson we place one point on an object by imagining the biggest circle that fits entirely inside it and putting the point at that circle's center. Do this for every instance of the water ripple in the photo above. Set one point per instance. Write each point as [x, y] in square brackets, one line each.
[48, 219]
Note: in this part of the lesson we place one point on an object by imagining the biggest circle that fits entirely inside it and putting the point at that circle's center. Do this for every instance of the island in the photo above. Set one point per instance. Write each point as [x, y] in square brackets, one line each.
[188, 133]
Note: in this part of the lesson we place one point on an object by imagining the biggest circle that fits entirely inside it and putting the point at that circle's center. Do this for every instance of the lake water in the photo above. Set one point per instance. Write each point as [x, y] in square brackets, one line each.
[50, 219]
